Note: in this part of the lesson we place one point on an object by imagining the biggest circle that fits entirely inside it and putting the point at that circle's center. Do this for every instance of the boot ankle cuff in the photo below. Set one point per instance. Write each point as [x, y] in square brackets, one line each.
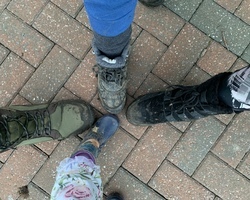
[117, 62]
[84, 153]
[212, 86]
[219, 80]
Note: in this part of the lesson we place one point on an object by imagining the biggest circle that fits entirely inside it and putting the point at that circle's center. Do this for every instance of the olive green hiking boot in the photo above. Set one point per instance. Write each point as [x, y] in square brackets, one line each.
[22, 125]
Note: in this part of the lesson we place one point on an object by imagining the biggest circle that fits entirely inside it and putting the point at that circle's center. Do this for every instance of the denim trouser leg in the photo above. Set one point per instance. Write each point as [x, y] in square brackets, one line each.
[111, 23]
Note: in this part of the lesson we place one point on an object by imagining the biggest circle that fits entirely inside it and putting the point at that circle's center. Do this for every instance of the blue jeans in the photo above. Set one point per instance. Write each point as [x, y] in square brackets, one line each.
[111, 23]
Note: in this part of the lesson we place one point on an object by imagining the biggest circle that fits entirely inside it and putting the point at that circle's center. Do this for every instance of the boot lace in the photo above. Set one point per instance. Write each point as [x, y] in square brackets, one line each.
[41, 128]
[115, 75]
[185, 100]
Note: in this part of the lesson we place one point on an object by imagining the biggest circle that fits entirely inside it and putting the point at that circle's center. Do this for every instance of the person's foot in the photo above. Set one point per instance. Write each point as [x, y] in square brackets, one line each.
[152, 3]
[115, 196]
[102, 130]
[183, 103]
[21, 125]
[112, 80]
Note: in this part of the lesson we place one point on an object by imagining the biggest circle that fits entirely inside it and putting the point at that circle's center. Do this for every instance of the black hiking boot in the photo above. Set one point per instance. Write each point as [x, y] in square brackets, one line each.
[21, 125]
[183, 103]
[115, 196]
[152, 3]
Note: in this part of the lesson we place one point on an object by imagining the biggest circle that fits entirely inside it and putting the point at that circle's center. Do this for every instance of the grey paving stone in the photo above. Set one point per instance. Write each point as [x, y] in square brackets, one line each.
[193, 147]
[3, 3]
[22, 39]
[229, 4]
[246, 54]
[240, 63]
[50, 76]
[183, 8]
[222, 180]
[64, 30]
[3, 53]
[159, 21]
[235, 141]
[244, 168]
[130, 187]
[222, 26]
[174, 184]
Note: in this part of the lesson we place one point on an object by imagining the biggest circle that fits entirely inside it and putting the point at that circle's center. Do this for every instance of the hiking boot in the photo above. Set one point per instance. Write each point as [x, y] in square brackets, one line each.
[152, 3]
[115, 196]
[112, 80]
[183, 103]
[21, 125]
[98, 135]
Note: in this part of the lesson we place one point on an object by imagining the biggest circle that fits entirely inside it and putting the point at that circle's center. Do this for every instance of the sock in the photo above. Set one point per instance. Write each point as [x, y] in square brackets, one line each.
[84, 153]
[112, 46]
[235, 91]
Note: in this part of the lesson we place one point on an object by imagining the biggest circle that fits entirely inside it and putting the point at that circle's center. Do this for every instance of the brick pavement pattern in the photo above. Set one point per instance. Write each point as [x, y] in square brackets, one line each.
[45, 55]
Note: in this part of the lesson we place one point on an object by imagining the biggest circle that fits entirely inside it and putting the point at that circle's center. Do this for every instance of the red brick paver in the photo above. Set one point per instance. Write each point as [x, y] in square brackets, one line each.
[46, 56]
[181, 55]
[213, 172]
[22, 39]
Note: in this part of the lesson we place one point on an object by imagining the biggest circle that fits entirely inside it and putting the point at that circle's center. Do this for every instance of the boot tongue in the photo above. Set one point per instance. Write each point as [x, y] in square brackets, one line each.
[56, 118]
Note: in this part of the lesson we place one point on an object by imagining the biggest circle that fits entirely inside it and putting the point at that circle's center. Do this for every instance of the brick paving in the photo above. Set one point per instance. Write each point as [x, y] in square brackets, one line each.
[45, 55]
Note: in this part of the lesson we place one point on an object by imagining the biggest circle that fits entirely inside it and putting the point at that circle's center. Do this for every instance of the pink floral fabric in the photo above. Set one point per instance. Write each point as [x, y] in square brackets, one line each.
[77, 178]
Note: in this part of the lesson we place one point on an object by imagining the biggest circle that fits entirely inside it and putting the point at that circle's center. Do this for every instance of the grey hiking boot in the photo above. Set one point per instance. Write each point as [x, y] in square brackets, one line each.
[22, 125]
[112, 80]
[152, 3]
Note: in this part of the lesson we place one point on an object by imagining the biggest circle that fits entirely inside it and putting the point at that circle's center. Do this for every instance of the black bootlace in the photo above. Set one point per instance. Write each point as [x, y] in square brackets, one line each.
[185, 100]
[116, 75]
[41, 128]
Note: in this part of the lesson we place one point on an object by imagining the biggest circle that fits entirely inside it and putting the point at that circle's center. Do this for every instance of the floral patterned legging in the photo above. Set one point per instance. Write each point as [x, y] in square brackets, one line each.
[77, 178]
